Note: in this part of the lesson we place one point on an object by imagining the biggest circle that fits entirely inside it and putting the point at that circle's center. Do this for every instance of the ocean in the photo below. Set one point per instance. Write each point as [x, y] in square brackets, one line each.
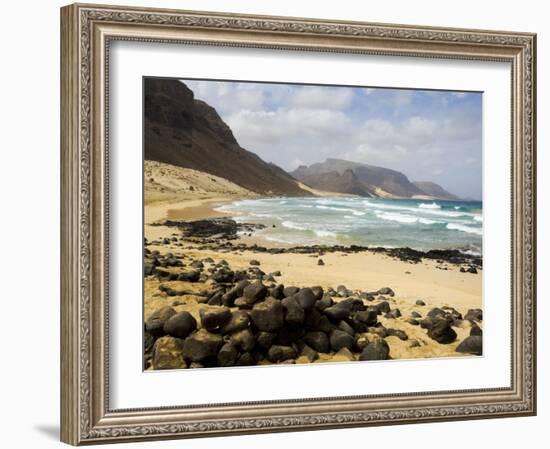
[390, 223]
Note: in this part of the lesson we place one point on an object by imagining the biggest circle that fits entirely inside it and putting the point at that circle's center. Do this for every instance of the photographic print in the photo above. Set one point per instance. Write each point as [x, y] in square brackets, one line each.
[292, 223]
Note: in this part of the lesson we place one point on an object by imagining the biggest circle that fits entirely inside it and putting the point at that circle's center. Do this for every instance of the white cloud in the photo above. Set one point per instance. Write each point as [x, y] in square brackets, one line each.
[314, 97]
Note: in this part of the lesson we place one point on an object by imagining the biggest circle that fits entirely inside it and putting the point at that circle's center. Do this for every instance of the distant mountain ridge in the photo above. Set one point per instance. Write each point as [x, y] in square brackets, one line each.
[338, 175]
[188, 133]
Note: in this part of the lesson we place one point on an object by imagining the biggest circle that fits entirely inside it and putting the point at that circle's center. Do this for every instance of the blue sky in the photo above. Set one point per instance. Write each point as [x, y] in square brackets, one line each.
[428, 135]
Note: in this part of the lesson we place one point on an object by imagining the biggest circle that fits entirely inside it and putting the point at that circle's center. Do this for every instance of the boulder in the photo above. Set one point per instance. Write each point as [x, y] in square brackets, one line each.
[340, 339]
[201, 345]
[397, 333]
[308, 352]
[474, 315]
[254, 262]
[255, 292]
[228, 354]
[306, 298]
[246, 359]
[294, 313]
[344, 326]
[318, 341]
[320, 262]
[244, 339]
[325, 302]
[289, 291]
[268, 316]
[318, 292]
[369, 316]
[289, 334]
[476, 331]
[377, 349]
[167, 353]
[442, 332]
[343, 355]
[180, 325]
[471, 345]
[214, 317]
[339, 311]
[419, 302]
[386, 291]
[155, 323]
[382, 307]
[230, 296]
[265, 339]
[239, 320]
[279, 353]
[189, 276]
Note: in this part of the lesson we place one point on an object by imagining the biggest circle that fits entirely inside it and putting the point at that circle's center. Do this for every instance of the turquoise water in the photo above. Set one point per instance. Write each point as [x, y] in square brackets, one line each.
[390, 223]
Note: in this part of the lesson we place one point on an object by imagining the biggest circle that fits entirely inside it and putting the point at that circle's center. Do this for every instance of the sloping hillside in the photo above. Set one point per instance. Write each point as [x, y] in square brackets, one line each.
[435, 190]
[186, 132]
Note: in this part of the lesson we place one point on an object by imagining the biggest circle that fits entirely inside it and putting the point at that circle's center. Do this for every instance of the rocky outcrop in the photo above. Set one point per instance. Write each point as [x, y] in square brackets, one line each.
[183, 131]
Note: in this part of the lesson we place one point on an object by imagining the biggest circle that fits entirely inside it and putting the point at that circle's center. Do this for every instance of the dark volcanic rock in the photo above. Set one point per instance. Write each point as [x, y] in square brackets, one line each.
[255, 292]
[442, 332]
[320, 262]
[382, 307]
[246, 359]
[239, 320]
[289, 334]
[268, 315]
[386, 291]
[213, 318]
[318, 341]
[279, 353]
[265, 339]
[397, 333]
[318, 292]
[340, 339]
[306, 298]
[369, 316]
[294, 313]
[201, 345]
[230, 296]
[471, 345]
[474, 315]
[476, 331]
[289, 291]
[339, 311]
[244, 339]
[167, 353]
[378, 349]
[155, 323]
[180, 325]
[189, 276]
[419, 302]
[228, 354]
[325, 302]
[277, 292]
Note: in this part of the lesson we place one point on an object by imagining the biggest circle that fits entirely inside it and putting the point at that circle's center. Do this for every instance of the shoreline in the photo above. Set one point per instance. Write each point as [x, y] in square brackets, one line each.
[194, 262]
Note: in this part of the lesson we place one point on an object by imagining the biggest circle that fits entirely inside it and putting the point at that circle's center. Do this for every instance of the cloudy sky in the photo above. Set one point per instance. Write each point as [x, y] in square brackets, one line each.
[428, 135]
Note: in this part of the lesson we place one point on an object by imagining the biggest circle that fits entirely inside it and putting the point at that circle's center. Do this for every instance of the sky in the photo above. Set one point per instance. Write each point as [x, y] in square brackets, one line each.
[428, 135]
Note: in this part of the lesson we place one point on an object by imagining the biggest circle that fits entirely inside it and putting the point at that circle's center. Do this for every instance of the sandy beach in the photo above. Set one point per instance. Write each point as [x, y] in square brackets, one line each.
[436, 284]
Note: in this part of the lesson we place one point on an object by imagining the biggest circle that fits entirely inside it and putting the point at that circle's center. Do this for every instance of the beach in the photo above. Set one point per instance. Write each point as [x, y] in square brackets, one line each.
[412, 287]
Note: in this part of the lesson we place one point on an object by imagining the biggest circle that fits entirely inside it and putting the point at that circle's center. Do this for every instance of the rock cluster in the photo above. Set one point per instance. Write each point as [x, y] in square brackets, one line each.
[247, 319]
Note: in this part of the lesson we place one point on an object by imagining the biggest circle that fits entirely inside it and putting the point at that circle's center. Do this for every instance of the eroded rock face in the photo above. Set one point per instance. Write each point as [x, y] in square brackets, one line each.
[167, 353]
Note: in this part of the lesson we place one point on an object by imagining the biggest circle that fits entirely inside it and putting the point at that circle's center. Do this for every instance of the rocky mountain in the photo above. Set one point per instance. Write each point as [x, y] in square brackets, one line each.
[435, 190]
[338, 175]
[186, 132]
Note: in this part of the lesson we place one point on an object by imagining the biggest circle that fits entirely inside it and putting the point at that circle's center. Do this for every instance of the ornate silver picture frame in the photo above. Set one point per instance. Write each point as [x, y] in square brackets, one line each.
[87, 31]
